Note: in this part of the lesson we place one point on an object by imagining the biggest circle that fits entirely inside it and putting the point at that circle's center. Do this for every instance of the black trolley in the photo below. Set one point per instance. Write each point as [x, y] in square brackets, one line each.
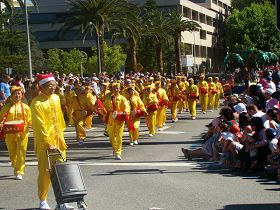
[67, 182]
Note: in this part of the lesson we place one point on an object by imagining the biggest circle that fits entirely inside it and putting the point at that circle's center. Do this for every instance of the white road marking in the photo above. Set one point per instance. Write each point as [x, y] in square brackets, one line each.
[149, 164]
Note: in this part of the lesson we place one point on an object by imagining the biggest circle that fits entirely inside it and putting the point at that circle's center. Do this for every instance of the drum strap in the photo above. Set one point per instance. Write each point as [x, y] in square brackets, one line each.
[113, 103]
[7, 113]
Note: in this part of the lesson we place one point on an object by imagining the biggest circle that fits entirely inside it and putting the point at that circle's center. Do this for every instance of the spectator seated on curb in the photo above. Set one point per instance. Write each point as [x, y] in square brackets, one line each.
[206, 151]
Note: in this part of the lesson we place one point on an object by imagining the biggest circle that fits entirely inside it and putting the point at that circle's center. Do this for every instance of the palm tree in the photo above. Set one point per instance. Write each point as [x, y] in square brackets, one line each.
[9, 4]
[158, 28]
[178, 25]
[94, 16]
[129, 27]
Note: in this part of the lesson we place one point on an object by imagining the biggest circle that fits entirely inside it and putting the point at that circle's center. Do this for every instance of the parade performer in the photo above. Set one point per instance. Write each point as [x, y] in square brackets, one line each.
[137, 109]
[192, 93]
[212, 91]
[48, 126]
[83, 107]
[220, 92]
[174, 96]
[186, 104]
[106, 90]
[203, 94]
[92, 98]
[118, 110]
[17, 116]
[163, 101]
[69, 94]
[151, 102]
[182, 88]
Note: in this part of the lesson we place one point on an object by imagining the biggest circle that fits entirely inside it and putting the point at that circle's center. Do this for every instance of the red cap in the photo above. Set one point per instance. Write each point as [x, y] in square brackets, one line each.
[44, 78]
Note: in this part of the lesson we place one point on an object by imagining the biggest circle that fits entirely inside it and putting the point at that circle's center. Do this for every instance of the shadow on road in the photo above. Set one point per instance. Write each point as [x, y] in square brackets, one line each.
[269, 206]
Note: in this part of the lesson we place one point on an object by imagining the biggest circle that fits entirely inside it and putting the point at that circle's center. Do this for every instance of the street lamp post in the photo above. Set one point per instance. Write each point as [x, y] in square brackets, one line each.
[28, 41]
[99, 53]
[82, 73]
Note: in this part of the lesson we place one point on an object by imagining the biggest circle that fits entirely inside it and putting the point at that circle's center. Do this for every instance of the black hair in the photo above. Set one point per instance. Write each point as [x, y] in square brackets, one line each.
[270, 133]
[227, 113]
[272, 113]
[258, 122]
[244, 119]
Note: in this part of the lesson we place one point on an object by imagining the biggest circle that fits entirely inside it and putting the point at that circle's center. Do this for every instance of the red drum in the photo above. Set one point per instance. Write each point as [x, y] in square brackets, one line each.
[137, 113]
[14, 126]
[214, 91]
[192, 96]
[120, 116]
[152, 107]
[203, 90]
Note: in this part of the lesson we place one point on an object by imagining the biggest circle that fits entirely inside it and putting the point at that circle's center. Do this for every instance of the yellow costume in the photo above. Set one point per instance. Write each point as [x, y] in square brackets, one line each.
[48, 126]
[92, 99]
[17, 142]
[174, 97]
[69, 94]
[203, 94]
[149, 100]
[115, 128]
[192, 93]
[212, 90]
[134, 122]
[163, 100]
[220, 92]
[83, 107]
[181, 103]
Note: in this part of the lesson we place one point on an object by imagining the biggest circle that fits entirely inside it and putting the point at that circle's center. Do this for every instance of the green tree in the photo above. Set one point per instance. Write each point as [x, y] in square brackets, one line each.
[9, 4]
[241, 4]
[253, 27]
[114, 58]
[64, 61]
[178, 25]
[91, 17]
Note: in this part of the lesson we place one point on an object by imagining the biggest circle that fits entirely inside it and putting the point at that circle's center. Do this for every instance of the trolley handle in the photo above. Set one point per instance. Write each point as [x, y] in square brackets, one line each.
[49, 154]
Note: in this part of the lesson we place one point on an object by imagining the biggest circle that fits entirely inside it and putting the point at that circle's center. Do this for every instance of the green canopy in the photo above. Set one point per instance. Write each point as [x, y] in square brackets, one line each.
[233, 60]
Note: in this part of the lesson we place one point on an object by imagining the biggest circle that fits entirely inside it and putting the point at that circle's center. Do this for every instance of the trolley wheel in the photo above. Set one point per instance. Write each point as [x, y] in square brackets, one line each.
[82, 205]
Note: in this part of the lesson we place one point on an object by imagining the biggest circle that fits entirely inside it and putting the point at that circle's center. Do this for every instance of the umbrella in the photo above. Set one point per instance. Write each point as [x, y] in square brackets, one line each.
[273, 58]
[234, 60]
[262, 57]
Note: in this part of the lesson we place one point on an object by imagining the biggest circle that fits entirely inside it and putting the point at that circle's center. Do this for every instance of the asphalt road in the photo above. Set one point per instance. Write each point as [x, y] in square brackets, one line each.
[151, 175]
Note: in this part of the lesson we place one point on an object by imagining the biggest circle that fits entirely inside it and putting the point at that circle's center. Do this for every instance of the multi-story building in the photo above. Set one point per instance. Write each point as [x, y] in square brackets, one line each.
[204, 47]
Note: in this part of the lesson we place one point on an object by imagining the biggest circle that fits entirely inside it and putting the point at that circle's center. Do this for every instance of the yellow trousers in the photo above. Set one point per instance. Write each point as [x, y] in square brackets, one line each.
[211, 101]
[181, 105]
[134, 135]
[44, 175]
[203, 100]
[187, 105]
[192, 107]
[81, 133]
[115, 135]
[88, 122]
[151, 120]
[161, 116]
[69, 112]
[17, 146]
[217, 101]
[173, 108]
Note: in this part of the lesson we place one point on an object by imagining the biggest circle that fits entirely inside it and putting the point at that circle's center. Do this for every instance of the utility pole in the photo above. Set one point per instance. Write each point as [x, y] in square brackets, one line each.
[28, 42]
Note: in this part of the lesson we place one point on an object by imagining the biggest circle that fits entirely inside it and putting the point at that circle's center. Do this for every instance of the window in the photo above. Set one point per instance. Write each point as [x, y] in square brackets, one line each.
[214, 1]
[220, 4]
[202, 18]
[203, 51]
[194, 15]
[187, 12]
[202, 34]
[209, 21]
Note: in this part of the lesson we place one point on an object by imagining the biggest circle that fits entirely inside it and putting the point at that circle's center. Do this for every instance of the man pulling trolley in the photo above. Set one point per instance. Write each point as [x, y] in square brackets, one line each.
[48, 126]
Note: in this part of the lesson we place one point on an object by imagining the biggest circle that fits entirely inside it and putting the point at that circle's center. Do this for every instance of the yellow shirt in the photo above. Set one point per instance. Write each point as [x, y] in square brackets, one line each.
[192, 91]
[203, 85]
[212, 87]
[161, 95]
[219, 88]
[116, 103]
[48, 123]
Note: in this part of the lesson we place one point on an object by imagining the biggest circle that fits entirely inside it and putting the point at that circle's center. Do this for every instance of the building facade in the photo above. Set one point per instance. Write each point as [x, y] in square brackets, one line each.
[203, 48]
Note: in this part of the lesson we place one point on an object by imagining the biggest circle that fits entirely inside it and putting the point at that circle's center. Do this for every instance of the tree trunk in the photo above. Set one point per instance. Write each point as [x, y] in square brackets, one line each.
[133, 54]
[178, 56]
[159, 57]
